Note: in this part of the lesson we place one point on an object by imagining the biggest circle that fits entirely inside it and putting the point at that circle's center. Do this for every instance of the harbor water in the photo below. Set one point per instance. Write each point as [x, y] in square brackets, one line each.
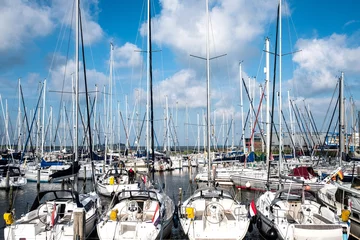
[173, 180]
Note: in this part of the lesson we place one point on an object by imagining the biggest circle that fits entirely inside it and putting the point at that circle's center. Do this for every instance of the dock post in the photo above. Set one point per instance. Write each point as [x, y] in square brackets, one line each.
[214, 174]
[79, 224]
[38, 179]
[190, 172]
[76, 182]
[84, 183]
[135, 170]
[180, 196]
[7, 186]
[11, 196]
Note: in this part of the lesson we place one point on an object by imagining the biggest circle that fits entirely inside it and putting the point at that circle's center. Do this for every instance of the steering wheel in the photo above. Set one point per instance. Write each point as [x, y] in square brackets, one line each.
[214, 212]
[132, 211]
[132, 207]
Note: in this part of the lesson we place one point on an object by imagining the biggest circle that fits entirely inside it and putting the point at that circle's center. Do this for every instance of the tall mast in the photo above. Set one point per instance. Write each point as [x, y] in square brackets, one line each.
[353, 127]
[198, 133]
[208, 92]
[233, 132]
[19, 120]
[147, 92]
[280, 98]
[95, 139]
[51, 127]
[242, 110]
[176, 122]
[187, 128]
[261, 119]
[77, 7]
[267, 77]
[111, 140]
[223, 129]
[291, 124]
[64, 124]
[73, 106]
[105, 130]
[127, 122]
[251, 125]
[151, 88]
[43, 121]
[341, 123]
[167, 124]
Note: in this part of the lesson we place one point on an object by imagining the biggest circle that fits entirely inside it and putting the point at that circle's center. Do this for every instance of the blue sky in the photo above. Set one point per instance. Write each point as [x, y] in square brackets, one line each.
[35, 37]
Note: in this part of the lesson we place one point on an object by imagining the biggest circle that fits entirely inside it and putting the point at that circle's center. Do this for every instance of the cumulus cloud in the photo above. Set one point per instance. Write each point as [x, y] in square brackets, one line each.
[320, 61]
[127, 55]
[233, 24]
[21, 21]
[62, 72]
[182, 89]
[63, 12]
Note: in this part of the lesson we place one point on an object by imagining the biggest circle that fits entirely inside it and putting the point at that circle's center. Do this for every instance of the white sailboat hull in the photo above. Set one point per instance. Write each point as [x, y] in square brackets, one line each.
[109, 190]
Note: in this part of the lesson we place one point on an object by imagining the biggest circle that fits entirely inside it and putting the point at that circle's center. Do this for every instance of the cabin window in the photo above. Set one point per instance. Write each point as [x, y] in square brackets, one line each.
[355, 215]
[88, 206]
[14, 172]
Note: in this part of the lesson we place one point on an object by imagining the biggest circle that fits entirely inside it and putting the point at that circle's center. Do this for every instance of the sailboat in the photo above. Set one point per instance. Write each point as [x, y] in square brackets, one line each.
[51, 216]
[140, 214]
[295, 213]
[211, 212]
[53, 213]
[10, 176]
[340, 195]
[114, 179]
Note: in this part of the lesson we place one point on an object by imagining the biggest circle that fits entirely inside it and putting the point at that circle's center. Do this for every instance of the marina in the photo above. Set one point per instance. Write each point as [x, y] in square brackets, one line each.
[173, 181]
[170, 135]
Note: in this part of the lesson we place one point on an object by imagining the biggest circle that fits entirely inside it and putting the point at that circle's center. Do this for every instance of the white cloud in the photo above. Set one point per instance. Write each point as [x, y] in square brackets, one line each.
[127, 55]
[182, 25]
[350, 22]
[182, 89]
[320, 61]
[21, 21]
[63, 12]
[62, 74]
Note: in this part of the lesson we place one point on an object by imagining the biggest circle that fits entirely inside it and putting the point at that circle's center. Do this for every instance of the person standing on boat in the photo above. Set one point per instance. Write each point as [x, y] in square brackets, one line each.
[345, 214]
[131, 175]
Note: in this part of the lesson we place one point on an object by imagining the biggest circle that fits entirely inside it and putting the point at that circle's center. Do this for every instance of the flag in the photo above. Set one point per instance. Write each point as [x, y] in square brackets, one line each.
[53, 216]
[156, 218]
[252, 209]
[341, 175]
